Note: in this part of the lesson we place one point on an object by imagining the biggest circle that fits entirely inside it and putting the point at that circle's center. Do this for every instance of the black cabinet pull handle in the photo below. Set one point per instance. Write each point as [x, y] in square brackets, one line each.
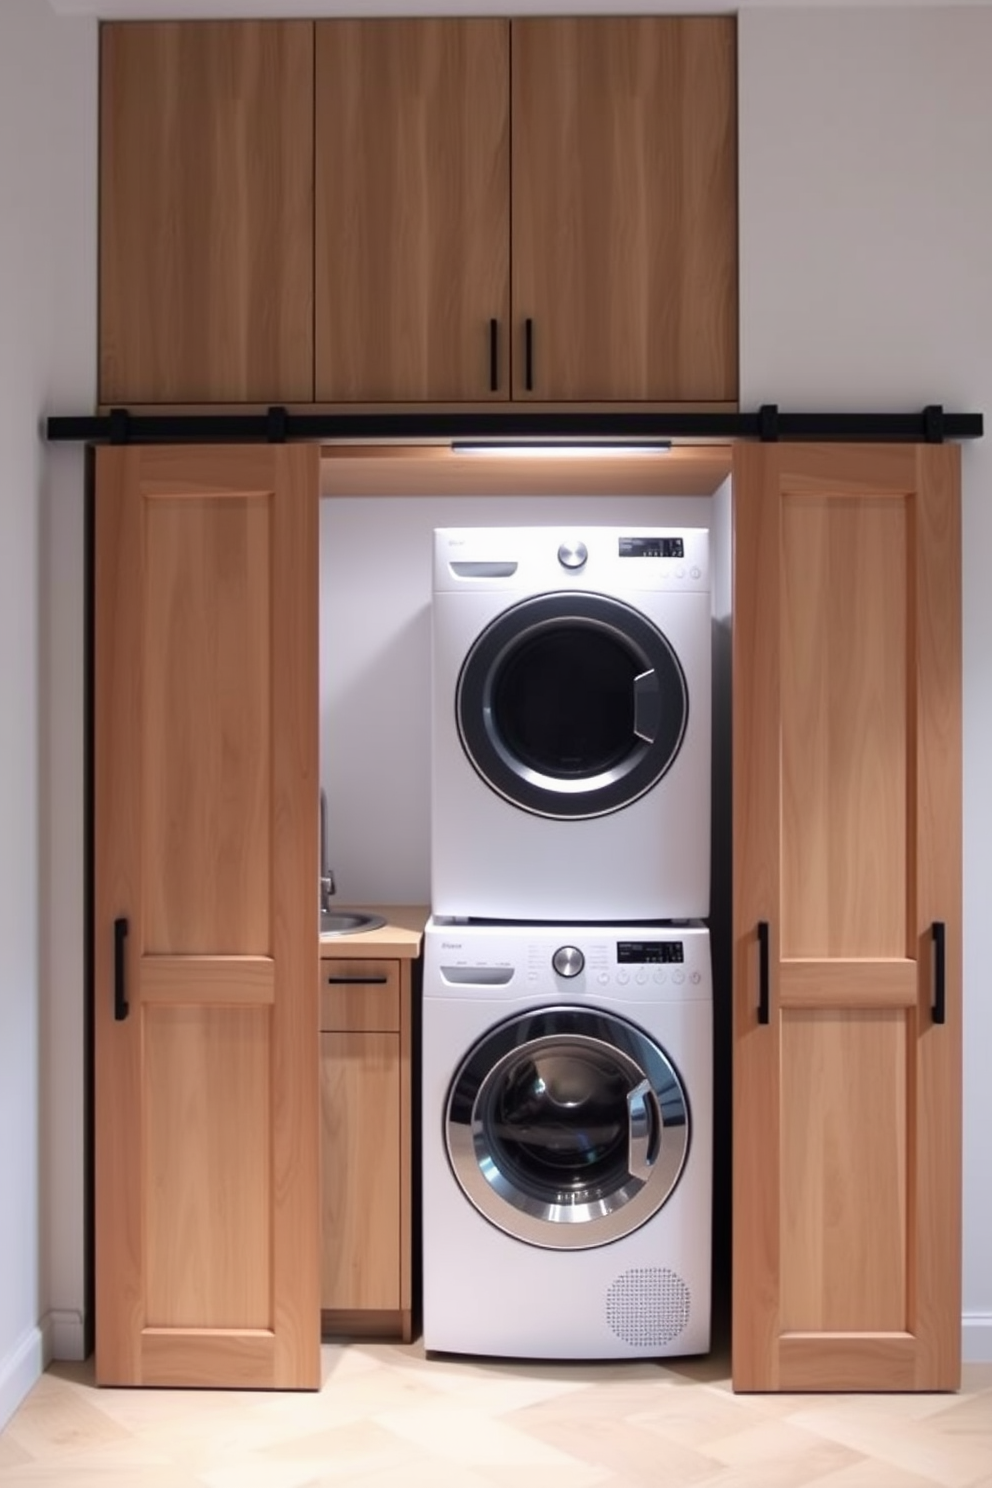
[939, 979]
[357, 981]
[120, 993]
[529, 354]
[763, 995]
[494, 356]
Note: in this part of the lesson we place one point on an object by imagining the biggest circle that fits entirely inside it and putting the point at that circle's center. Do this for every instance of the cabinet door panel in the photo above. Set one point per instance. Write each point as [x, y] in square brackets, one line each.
[360, 1145]
[412, 202]
[205, 790]
[624, 211]
[847, 845]
[206, 212]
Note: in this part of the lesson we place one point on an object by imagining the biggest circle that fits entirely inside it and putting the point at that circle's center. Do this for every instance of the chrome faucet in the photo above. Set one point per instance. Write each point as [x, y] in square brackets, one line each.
[327, 884]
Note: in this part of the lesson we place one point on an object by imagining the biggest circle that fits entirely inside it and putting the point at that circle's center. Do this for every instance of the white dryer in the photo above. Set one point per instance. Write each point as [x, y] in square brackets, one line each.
[571, 716]
[567, 1140]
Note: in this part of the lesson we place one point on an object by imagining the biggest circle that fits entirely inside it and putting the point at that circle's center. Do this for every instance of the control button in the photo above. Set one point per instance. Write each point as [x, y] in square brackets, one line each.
[695, 572]
[695, 978]
[603, 979]
[623, 978]
[573, 554]
[568, 961]
[680, 573]
[678, 977]
[532, 976]
[641, 978]
[660, 975]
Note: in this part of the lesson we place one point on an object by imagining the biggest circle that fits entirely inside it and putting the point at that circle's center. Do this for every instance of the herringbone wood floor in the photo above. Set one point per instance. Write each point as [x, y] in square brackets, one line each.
[388, 1417]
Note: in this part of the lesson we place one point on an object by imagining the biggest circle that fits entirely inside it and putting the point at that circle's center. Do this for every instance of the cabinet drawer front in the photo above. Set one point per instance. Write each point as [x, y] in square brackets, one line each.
[359, 995]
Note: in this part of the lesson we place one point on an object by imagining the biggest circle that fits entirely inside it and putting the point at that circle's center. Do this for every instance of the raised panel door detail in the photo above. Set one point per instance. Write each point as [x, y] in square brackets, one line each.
[412, 209]
[206, 212]
[624, 217]
[207, 1091]
[847, 847]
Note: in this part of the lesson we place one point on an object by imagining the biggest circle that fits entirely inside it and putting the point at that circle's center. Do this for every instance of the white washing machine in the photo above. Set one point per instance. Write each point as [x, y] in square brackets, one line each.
[571, 724]
[567, 1140]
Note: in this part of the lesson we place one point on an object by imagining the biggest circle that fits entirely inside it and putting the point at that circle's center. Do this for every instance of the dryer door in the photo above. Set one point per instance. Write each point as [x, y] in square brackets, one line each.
[567, 1127]
[571, 705]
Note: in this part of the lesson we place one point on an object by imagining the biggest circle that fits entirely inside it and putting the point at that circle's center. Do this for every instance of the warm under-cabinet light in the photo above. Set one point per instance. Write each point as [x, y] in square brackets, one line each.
[561, 448]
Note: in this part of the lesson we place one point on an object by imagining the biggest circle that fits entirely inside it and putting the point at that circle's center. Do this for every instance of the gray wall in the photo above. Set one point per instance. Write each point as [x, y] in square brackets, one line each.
[47, 330]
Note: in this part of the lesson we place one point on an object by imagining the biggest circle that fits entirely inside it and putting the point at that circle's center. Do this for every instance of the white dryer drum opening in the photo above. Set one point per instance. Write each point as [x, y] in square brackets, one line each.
[568, 1128]
[571, 705]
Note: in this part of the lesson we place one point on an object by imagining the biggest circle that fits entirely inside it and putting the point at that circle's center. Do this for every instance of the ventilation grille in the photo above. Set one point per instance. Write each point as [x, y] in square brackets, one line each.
[649, 1307]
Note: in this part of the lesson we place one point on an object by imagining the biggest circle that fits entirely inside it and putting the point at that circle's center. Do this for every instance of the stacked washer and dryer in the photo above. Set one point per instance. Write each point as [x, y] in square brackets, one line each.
[567, 1009]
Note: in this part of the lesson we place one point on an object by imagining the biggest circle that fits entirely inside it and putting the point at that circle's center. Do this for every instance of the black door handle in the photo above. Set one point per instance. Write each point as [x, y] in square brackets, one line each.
[763, 975]
[357, 981]
[939, 973]
[529, 355]
[494, 356]
[120, 993]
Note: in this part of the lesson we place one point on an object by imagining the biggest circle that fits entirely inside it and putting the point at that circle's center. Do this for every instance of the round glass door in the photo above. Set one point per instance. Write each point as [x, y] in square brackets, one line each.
[571, 705]
[567, 1128]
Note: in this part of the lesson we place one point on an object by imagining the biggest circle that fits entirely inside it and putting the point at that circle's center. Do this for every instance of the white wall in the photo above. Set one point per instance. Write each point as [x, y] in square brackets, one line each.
[47, 325]
[866, 246]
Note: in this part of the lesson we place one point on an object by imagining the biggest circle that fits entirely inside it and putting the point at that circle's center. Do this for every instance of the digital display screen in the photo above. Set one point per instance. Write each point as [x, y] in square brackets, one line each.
[652, 547]
[649, 952]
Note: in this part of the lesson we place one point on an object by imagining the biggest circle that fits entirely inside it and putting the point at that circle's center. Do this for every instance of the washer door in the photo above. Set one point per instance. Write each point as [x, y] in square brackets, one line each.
[571, 705]
[567, 1127]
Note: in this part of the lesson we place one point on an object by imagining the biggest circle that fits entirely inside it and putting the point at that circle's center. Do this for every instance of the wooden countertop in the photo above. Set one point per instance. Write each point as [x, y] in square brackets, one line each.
[400, 936]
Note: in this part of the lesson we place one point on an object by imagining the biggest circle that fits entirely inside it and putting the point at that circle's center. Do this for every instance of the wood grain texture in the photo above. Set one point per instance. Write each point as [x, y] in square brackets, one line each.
[207, 1106]
[845, 725]
[412, 208]
[360, 1132]
[624, 179]
[206, 211]
[362, 1005]
[847, 1155]
[843, 1171]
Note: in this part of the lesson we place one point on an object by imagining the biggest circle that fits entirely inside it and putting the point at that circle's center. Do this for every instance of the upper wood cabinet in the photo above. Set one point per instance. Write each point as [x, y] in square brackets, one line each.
[613, 214]
[413, 206]
[206, 212]
[205, 1080]
[624, 170]
[847, 918]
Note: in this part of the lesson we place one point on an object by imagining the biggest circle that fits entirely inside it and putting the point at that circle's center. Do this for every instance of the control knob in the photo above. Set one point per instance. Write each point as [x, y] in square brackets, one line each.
[568, 961]
[572, 554]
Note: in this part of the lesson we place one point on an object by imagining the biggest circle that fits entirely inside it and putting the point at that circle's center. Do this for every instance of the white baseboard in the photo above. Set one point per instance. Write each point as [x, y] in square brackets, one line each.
[19, 1371]
[64, 1332]
[976, 1338]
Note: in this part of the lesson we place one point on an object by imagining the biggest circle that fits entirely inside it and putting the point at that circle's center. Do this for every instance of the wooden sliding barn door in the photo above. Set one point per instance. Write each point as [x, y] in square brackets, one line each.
[205, 933]
[847, 918]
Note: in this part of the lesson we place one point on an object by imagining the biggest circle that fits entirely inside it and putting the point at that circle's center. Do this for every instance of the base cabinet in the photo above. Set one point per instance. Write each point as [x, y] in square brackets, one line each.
[365, 1146]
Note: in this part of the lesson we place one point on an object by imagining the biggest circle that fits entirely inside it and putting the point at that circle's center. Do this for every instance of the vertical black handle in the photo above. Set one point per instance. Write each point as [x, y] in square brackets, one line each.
[120, 995]
[529, 354]
[939, 981]
[494, 355]
[763, 997]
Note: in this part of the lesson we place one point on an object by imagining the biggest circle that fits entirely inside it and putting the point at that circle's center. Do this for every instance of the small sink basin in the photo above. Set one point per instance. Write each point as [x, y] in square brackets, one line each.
[348, 921]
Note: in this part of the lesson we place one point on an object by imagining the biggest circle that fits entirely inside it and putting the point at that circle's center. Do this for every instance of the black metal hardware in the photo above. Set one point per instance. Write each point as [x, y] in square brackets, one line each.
[513, 423]
[933, 424]
[768, 423]
[120, 993]
[939, 977]
[494, 355]
[356, 981]
[763, 976]
[275, 425]
[529, 354]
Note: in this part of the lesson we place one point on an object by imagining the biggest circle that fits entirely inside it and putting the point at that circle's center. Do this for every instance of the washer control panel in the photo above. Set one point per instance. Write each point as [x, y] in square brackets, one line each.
[638, 963]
